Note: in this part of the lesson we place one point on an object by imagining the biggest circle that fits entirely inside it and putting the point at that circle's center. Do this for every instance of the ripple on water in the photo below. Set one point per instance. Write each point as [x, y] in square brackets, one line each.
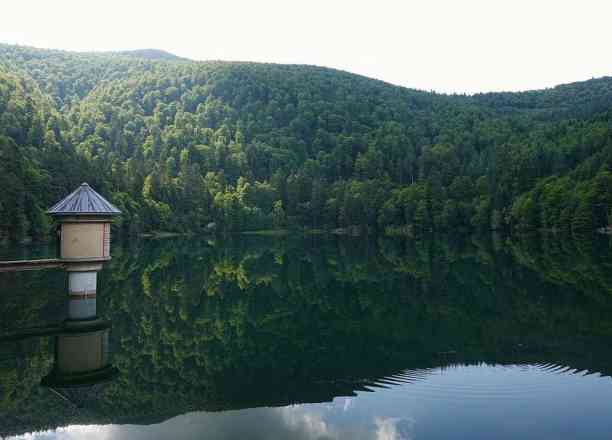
[467, 384]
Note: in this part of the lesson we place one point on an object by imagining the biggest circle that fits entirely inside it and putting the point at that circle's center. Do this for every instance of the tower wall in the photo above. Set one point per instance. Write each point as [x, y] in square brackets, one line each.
[85, 240]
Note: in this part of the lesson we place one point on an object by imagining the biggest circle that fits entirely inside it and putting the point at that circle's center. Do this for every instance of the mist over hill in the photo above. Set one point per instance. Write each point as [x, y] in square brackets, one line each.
[152, 54]
[180, 145]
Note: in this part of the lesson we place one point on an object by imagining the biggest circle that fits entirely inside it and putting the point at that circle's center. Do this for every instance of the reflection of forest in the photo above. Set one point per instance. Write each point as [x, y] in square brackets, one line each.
[252, 322]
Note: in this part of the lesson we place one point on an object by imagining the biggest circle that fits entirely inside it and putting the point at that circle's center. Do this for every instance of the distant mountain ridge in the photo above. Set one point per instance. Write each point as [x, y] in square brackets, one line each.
[151, 54]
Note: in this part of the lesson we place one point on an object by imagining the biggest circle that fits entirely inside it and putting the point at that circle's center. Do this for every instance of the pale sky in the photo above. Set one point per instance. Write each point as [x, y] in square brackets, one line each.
[443, 45]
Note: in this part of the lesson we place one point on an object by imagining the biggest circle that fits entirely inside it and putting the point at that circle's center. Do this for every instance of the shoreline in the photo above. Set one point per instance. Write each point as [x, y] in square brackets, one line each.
[353, 231]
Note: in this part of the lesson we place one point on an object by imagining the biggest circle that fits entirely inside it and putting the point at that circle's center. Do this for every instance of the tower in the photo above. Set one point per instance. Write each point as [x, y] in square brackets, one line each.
[84, 219]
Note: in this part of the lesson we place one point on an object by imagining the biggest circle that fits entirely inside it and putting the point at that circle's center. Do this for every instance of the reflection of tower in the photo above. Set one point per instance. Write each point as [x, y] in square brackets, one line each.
[81, 350]
[82, 362]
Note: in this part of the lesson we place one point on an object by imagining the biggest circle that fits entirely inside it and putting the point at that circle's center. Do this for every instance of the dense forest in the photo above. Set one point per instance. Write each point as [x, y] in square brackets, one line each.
[186, 146]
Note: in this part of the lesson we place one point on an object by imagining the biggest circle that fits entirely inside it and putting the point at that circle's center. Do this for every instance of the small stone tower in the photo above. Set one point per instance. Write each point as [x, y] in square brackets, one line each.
[84, 219]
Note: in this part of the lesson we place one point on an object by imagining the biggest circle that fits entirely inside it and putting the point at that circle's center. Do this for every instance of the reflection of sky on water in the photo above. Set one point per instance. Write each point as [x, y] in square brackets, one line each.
[476, 402]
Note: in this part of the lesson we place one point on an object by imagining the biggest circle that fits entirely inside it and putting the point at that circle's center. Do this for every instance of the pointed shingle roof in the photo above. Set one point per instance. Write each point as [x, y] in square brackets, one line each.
[84, 201]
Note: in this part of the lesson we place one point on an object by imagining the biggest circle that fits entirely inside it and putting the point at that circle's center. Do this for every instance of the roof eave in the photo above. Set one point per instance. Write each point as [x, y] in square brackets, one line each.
[83, 214]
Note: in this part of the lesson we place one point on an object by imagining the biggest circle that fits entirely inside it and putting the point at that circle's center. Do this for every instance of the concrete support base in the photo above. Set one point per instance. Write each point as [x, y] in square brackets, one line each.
[82, 295]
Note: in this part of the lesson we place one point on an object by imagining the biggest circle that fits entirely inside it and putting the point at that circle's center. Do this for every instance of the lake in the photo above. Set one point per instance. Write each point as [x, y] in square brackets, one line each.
[321, 338]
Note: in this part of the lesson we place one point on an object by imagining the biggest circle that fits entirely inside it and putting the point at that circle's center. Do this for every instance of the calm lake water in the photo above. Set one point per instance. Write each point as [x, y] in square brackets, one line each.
[321, 338]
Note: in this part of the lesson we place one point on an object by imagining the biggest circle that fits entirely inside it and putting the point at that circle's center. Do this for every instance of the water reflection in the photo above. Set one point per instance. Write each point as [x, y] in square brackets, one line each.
[346, 339]
[460, 402]
[82, 362]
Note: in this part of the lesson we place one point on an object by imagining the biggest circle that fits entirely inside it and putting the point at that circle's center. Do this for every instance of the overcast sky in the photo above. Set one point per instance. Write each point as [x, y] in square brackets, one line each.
[447, 46]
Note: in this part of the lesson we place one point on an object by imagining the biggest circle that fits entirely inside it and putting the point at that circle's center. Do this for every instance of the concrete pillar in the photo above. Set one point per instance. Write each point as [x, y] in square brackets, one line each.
[82, 287]
[82, 295]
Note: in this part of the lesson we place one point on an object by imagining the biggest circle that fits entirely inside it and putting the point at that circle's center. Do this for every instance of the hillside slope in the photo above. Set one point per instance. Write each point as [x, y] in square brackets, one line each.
[178, 145]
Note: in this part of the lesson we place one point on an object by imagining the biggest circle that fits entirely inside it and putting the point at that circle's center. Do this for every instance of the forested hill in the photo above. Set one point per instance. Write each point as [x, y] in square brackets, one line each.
[178, 145]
